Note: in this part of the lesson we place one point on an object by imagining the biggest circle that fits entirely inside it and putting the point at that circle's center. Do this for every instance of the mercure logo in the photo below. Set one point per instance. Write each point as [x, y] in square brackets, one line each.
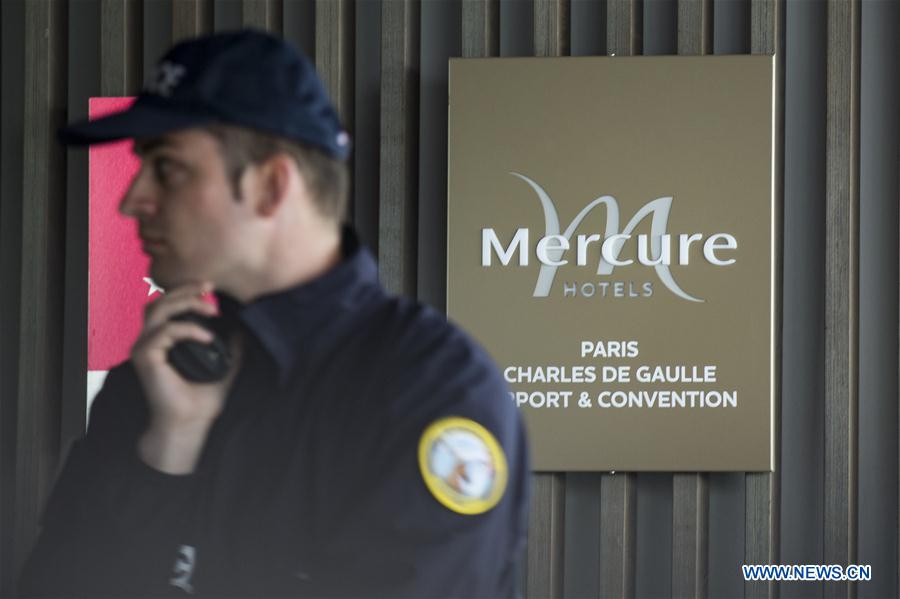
[553, 246]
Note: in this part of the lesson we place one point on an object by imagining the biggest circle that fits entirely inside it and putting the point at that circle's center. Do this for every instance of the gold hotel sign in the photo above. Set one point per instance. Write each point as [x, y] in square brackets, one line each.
[611, 242]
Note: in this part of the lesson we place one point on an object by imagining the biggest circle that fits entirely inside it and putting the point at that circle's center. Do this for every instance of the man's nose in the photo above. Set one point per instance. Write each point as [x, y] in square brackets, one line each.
[139, 201]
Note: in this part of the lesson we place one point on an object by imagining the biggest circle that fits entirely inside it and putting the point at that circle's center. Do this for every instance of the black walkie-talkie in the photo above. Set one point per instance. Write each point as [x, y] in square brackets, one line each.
[201, 362]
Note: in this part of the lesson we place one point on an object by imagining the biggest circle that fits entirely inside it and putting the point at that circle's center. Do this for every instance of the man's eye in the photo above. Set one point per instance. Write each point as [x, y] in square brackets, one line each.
[166, 171]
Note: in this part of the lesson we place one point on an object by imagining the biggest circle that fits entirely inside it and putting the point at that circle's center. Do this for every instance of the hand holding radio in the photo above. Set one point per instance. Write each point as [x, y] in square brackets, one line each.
[185, 371]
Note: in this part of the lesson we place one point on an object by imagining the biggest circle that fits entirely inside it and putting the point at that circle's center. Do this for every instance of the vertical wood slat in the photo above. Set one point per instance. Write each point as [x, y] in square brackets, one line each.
[156, 34]
[335, 29]
[617, 534]
[38, 418]
[618, 491]
[12, 30]
[841, 287]
[546, 542]
[624, 25]
[763, 490]
[190, 18]
[298, 25]
[690, 534]
[480, 28]
[690, 492]
[695, 27]
[397, 218]
[551, 27]
[546, 527]
[83, 81]
[262, 14]
[618, 530]
[227, 14]
[761, 532]
[120, 47]
[367, 122]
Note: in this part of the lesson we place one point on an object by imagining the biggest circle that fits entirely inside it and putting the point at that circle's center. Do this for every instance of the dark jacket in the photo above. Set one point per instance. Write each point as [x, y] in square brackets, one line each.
[312, 479]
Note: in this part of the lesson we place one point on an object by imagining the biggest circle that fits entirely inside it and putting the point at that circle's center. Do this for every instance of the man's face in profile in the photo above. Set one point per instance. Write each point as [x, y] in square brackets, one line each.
[190, 223]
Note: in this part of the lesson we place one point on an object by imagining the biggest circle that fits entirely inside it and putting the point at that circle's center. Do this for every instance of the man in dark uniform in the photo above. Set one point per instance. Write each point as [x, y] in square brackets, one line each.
[354, 444]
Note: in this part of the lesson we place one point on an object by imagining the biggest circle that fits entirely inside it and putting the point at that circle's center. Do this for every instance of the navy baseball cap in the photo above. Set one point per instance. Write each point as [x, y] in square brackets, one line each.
[247, 78]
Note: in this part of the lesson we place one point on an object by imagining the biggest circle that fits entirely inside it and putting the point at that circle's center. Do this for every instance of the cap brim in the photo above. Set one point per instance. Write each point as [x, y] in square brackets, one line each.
[140, 120]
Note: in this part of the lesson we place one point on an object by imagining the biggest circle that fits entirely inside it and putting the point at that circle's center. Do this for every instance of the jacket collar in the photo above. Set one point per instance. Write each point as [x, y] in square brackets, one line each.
[291, 323]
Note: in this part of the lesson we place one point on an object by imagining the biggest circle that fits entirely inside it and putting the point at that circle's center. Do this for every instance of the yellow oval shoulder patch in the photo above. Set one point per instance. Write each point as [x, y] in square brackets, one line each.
[463, 465]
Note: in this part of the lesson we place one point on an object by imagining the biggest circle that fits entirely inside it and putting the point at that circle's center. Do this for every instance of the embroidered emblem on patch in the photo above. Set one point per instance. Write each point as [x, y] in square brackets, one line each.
[463, 465]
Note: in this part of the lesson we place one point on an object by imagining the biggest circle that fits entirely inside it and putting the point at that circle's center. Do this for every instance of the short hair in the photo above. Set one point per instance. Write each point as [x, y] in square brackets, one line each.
[327, 178]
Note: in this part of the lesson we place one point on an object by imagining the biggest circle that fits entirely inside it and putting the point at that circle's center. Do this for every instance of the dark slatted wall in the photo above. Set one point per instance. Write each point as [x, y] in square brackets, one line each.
[834, 495]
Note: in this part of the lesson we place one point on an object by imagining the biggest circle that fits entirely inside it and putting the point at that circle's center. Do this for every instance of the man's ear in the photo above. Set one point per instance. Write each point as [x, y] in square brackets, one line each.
[274, 179]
